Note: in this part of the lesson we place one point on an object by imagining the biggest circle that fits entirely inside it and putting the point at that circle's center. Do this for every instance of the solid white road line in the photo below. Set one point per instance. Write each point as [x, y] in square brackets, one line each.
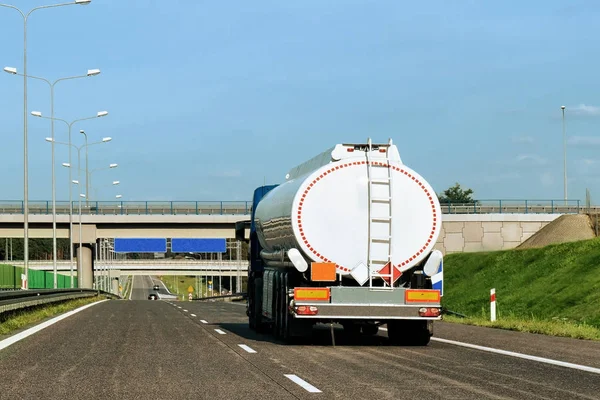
[193, 315]
[203, 321]
[220, 332]
[518, 355]
[22, 335]
[307, 386]
[248, 349]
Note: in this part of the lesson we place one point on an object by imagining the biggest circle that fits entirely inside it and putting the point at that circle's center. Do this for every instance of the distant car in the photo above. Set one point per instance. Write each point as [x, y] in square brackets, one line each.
[156, 287]
[152, 296]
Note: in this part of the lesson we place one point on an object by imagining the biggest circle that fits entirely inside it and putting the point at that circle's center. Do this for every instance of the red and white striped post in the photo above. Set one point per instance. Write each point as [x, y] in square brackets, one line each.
[493, 304]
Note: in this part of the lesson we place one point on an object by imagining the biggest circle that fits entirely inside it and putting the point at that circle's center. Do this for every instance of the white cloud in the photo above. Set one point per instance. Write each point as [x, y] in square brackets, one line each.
[587, 166]
[547, 179]
[583, 109]
[533, 158]
[523, 139]
[584, 140]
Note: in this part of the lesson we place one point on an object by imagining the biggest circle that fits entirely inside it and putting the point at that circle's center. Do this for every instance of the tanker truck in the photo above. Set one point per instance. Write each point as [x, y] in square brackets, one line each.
[347, 239]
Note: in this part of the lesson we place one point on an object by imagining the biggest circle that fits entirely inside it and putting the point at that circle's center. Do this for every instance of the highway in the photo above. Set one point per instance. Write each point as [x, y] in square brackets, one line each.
[169, 349]
[142, 287]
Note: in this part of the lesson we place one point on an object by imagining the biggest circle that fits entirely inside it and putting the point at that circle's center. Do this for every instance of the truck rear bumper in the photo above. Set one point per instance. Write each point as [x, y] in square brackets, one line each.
[365, 311]
[368, 304]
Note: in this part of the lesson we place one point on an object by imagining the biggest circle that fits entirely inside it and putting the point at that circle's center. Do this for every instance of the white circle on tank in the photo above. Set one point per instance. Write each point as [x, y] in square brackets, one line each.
[332, 220]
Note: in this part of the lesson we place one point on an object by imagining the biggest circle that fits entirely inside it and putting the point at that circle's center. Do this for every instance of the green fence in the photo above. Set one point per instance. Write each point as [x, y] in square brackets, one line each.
[10, 278]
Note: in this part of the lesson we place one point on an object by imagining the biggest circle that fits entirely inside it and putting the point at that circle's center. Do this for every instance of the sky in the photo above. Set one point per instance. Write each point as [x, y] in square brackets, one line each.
[208, 100]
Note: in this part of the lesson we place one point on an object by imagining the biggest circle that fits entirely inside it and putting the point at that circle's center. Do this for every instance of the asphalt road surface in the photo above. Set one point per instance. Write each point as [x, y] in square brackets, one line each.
[142, 286]
[168, 349]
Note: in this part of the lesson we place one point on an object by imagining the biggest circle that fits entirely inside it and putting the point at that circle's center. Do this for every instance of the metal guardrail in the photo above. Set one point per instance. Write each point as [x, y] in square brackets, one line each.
[19, 299]
[242, 296]
[245, 207]
[131, 207]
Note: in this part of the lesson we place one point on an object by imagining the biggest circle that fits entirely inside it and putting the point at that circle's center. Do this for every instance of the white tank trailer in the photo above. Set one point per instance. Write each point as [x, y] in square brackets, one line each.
[348, 238]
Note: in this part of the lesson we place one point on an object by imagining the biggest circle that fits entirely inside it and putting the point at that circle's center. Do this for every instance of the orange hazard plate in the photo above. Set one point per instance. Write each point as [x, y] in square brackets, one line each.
[322, 272]
[321, 294]
[422, 296]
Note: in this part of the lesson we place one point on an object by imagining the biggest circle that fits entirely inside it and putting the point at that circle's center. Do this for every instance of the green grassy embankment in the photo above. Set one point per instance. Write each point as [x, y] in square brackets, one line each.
[552, 290]
[180, 284]
[22, 318]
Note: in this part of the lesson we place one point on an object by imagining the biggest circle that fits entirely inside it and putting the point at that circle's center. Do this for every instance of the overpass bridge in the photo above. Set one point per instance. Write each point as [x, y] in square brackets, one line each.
[197, 219]
[481, 226]
[244, 208]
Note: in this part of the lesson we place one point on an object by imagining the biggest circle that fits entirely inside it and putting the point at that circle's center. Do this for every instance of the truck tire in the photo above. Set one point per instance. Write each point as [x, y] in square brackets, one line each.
[259, 324]
[276, 313]
[409, 333]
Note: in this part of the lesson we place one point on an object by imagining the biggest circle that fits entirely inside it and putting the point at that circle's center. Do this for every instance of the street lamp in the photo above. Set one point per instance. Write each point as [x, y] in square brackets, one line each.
[70, 125]
[564, 151]
[79, 258]
[25, 159]
[87, 172]
[90, 72]
[90, 173]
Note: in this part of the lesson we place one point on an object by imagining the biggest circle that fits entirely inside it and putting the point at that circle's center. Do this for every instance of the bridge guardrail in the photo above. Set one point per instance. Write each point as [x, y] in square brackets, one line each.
[245, 207]
[44, 207]
[19, 299]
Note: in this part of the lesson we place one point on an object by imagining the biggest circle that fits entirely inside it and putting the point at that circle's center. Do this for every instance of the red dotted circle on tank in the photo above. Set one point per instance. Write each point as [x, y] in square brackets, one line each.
[345, 165]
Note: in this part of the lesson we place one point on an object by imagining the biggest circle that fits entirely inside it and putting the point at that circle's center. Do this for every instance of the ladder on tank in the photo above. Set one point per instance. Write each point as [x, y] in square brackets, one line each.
[380, 216]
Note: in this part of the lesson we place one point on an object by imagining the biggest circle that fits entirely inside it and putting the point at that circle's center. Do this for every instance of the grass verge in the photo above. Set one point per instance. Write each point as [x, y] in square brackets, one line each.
[178, 285]
[12, 321]
[552, 328]
[554, 290]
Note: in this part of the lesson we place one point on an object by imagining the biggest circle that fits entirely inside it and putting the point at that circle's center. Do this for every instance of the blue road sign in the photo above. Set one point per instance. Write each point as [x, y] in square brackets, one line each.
[140, 245]
[185, 245]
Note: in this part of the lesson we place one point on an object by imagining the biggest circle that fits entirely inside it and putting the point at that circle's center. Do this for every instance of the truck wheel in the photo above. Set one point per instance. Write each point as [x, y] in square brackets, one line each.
[250, 306]
[283, 309]
[258, 320]
[409, 333]
[276, 304]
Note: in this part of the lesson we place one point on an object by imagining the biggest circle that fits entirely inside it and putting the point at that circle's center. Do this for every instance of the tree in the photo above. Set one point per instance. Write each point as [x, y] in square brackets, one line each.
[456, 195]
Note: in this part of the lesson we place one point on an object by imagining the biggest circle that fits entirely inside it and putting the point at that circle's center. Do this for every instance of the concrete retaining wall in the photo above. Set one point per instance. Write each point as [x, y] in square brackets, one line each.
[488, 232]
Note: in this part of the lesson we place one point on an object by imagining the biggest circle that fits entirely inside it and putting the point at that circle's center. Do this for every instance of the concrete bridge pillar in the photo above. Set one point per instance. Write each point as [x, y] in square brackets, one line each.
[85, 268]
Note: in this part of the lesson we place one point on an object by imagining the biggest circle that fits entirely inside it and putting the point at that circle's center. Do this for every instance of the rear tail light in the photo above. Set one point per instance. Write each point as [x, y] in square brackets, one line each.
[382, 150]
[307, 310]
[429, 312]
[350, 149]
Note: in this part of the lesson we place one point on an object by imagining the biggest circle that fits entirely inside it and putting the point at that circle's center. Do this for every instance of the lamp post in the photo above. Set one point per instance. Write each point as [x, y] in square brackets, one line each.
[90, 72]
[78, 181]
[25, 159]
[87, 171]
[564, 151]
[91, 172]
[70, 125]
